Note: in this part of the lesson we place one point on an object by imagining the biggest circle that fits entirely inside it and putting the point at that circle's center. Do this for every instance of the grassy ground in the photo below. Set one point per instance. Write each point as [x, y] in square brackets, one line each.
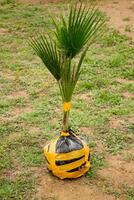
[31, 111]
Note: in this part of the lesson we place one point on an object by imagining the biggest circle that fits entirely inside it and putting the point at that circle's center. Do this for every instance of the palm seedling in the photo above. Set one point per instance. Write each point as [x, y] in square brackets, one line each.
[72, 36]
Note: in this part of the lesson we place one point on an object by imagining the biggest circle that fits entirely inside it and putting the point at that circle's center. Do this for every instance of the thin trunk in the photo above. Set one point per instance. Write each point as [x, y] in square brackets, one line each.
[66, 121]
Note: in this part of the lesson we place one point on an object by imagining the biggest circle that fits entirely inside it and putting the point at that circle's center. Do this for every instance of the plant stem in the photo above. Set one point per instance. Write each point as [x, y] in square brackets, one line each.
[66, 121]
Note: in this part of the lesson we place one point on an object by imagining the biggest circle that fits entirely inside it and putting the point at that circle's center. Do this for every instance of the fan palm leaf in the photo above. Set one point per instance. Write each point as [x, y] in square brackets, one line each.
[83, 24]
[47, 50]
[69, 76]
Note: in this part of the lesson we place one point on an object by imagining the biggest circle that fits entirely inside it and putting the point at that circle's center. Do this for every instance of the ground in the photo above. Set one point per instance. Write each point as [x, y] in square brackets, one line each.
[31, 111]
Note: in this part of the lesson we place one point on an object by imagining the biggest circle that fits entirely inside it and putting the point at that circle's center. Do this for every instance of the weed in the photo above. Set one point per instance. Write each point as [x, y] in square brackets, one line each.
[128, 73]
[32, 157]
[128, 28]
[129, 157]
[129, 191]
[114, 38]
[106, 97]
[130, 127]
[108, 188]
[126, 19]
[116, 61]
[97, 162]
[4, 2]
[115, 141]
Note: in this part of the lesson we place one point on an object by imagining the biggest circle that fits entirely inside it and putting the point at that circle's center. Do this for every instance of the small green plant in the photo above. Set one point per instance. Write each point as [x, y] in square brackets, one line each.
[105, 97]
[126, 19]
[97, 162]
[130, 127]
[3, 2]
[128, 73]
[109, 189]
[129, 191]
[115, 142]
[72, 37]
[128, 28]
[113, 38]
[32, 157]
[115, 61]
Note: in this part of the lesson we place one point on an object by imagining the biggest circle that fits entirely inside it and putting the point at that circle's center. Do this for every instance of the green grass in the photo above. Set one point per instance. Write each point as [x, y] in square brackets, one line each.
[110, 58]
[19, 189]
[114, 38]
[97, 162]
[31, 157]
[126, 19]
[130, 127]
[128, 87]
[129, 191]
[129, 157]
[128, 28]
[109, 189]
[115, 141]
[7, 128]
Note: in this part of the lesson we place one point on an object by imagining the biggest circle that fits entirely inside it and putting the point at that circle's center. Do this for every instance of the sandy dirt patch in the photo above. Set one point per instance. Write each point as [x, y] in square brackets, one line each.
[120, 13]
[17, 94]
[54, 189]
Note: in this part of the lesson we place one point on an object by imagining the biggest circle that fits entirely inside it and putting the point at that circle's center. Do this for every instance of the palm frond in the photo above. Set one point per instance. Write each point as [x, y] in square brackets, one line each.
[47, 50]
[69, 76]
[73, 35]
[83, 24]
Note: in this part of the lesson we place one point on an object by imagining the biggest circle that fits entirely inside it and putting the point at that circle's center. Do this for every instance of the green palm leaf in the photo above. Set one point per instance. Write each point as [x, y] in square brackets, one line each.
[83, 24]
[69, 76]
[47, 50]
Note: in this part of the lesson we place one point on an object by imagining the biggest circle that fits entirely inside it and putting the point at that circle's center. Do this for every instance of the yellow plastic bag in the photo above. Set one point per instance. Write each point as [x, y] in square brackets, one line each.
[67, 156]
